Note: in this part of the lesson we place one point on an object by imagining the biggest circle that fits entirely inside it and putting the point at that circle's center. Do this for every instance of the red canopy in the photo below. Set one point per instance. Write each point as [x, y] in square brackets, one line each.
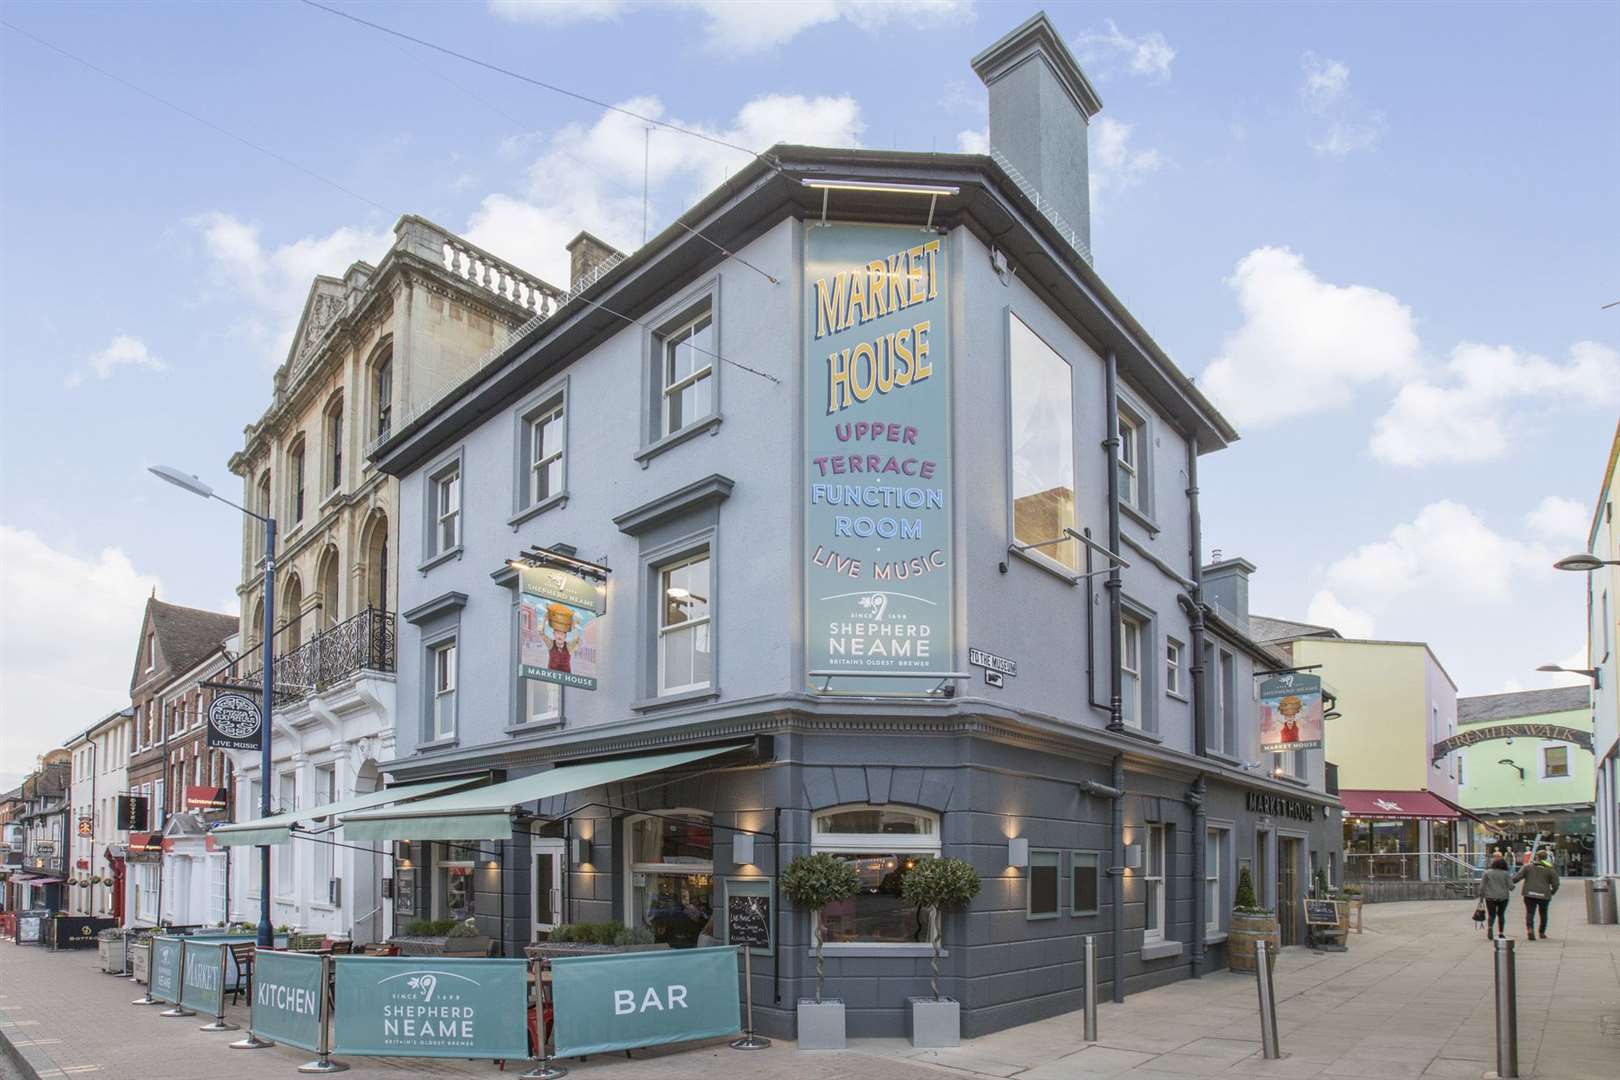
[1396, 804]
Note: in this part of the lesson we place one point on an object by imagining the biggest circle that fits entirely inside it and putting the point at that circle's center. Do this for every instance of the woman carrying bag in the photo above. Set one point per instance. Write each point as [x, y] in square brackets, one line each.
[1495, 889]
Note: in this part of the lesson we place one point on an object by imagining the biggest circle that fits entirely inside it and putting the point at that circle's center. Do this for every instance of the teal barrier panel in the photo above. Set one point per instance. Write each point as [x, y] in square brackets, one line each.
[164, 977]
[202, 978]
[287, 998]
[625, 1000]
[431, 1006]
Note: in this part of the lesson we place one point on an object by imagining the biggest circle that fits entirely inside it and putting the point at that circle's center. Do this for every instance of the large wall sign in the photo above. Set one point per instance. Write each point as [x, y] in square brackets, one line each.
[1550, 732]
[287, 998]
[557, 626]
[431, 1006]
[878, 553]
[130, 813]
[1290, 713]
[1260, 802]
[235, 723]
[621, 1001]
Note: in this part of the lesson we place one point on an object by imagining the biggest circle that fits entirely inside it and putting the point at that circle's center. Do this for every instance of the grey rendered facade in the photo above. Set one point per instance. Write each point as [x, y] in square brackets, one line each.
[1036, 758]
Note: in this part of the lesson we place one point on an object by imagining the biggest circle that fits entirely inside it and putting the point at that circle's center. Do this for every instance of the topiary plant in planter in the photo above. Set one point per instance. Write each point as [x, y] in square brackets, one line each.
[812, 882]
[939, 885]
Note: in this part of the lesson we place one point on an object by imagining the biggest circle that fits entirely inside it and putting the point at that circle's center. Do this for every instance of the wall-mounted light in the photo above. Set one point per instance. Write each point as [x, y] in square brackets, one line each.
[742, 849]
[1018, 852]
[1133, 856]
[1513, 765]
[582, 851]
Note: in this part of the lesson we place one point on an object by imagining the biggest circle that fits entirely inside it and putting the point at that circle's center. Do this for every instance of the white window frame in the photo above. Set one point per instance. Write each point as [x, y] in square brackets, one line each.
[526, 713]
[325, 853]
[447, 510]
[552, 412]
[672, 869]
[1131, 631]
[1153, 894]
[668, 342]
[1541, 759]
[1173, 652]
[1025, 369]
[1215, 878]
[666, 631]
[926, 843]
[285, 885]
[1130, 460]
[445, 658]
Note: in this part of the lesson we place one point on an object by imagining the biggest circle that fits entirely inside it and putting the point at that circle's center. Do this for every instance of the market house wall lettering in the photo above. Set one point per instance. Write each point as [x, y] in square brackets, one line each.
[878, 500]
[1550, 732]
[1258, 802]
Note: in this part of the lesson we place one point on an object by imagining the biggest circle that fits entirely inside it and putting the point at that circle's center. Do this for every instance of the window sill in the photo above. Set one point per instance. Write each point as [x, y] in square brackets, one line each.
[1138, 733]
[559, 499]
[1216, 938]
[439, 559]
[1297, 781]
[1041, 562]
[709, 424]
[1141, 518]
[862, 949]
[1223, 757]
[688, 697]
[438, 744]
[1160, 950]
[534, 727]
[322, 907]
[1085, 914]
[1178, 697]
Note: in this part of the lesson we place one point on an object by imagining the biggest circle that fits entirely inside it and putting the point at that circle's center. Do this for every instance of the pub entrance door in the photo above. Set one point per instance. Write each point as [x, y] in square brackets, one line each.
[1288, 891]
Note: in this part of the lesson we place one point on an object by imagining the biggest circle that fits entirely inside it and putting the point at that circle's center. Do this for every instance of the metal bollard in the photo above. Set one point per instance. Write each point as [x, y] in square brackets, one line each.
[1091, 988]
[1507, 1011]
[1268, 1001]
[545, 1069]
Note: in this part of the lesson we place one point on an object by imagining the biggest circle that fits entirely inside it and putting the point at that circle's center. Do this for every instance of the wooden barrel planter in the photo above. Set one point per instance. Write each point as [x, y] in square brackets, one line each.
[1246, 929]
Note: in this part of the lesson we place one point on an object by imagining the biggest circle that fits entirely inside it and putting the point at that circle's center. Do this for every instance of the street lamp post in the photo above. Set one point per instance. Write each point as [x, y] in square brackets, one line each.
[1590, 673]
[1583, 563]
[197, 487]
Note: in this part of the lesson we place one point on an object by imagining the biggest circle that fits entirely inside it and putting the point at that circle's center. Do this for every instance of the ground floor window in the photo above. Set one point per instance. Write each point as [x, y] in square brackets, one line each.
[1153, 882]
[1085, 883]
[454, 894]
[881, 843]
[1216, 844]
[1044, 872]
[670, 864]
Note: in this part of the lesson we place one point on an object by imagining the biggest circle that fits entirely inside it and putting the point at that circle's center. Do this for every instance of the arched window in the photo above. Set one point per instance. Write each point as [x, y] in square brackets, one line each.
[881, 843]
[334, 445]
[266, 509]
[291, 604]
[669, 870]
[295, 482]
[255, 626]
[375, 591]
[382, 394]
[331, 589]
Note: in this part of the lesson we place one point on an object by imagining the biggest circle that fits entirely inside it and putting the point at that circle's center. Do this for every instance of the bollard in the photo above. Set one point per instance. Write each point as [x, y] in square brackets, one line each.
[219, 1022]
[1507, 1011]
[545, 1069]
[324, 1063]
[1268, 1001]
[749, 1041]
[1091, 988]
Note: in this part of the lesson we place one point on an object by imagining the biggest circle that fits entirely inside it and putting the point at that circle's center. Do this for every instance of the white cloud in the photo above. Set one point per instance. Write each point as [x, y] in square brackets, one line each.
[1344, 125]
[741, 27]
[1471, 410]
[123, 351]
[973, 142]
[1146, 54]
[1116, 165]
[1305, 345]
[590, 177]
[1540, 680]
[1556, 519]
[67, 640]
[1327, 609]
[274, 282]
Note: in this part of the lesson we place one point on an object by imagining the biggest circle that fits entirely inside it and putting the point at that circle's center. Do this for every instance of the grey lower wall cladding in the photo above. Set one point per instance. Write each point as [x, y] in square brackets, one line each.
[1003, 966]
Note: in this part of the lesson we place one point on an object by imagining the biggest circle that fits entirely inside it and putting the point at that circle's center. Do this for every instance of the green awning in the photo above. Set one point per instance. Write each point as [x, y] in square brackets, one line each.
[486, 813]
[277, 829]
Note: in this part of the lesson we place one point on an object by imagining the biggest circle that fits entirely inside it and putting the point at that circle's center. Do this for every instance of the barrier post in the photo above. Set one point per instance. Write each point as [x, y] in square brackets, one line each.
[1091, 988]
[749, 1041]
[180, 987]
[324, 1063]
[1507, 1011]
[147, 998]
[544, 1068]
[219, 1022]
[1268, 1001]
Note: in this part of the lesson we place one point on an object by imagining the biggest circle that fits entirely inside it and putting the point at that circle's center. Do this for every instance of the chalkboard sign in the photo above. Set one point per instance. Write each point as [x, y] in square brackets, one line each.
[1321, 912]
[748, 921]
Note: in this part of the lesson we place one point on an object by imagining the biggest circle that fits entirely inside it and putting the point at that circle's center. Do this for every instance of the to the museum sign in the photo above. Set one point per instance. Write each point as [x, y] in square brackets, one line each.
[1259, 802]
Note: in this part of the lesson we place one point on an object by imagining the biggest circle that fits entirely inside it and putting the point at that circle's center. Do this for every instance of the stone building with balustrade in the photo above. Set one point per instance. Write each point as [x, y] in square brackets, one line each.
[372, 347]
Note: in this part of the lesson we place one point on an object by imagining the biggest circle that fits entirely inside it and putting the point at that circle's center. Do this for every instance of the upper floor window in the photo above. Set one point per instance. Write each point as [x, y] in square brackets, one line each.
[1217, 842]
[1130, 662]
[151, 651]
[1172, 666]
[444, 690]
[334, 446]
[686, 371]
[543, 444]
[444, 510]
[685, 648]
[1042, 447]
[1554, 762]
[295, 489]
[382, 396]
[1226, 671]
[1130, 456]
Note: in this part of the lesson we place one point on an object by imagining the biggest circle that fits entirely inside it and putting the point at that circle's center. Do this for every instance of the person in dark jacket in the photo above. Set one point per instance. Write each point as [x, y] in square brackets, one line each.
[1540, 883]
[1495, 887]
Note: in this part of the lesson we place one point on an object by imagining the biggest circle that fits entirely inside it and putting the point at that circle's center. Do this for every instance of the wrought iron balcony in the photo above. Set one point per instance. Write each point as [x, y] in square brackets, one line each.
[361, 643]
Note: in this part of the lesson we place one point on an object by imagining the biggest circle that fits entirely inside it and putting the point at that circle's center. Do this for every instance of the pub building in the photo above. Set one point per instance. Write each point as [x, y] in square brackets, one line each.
[852, 513]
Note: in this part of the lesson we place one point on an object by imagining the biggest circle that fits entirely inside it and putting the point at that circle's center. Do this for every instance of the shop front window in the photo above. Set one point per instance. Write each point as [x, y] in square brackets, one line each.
[457, 898]
[671, 871]
[881, 843]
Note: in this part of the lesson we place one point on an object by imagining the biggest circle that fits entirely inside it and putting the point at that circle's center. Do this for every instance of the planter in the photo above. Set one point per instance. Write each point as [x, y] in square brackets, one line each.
[547, 950]
[934, 1024]
[442, 946]
[821, 1024]
[1248, 928]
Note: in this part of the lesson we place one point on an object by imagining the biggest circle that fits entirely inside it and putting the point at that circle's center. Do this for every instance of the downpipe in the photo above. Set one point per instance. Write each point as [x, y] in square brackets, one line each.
[1116, 684]
[1195, 799]
[1117, 872]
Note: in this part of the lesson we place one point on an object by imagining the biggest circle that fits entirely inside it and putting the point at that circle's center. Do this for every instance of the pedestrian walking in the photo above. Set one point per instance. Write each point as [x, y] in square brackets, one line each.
[1495, 887]
[1540, 883]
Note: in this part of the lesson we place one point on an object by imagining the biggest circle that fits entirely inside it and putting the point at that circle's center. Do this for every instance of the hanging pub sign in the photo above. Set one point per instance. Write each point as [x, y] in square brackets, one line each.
[557, 625]
[1290, 712]
[130, 812]
[878, 555]
[144, 847]
[87, 827]
[46, 848]
[235, 723]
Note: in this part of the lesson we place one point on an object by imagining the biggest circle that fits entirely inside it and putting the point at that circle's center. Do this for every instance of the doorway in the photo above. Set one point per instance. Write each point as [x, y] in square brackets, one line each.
[548, 855]
[1288, 895]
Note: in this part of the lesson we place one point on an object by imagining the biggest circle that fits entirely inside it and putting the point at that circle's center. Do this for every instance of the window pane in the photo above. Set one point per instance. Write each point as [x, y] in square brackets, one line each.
[1129, 694]
[875, 913]
[1042, 446]
[876, 820]
[541, 699]
[677, 908]
[702, 655]
[1043, 883]
[677, 653]
[662, 840]
[1085, 883]
[1152, 905]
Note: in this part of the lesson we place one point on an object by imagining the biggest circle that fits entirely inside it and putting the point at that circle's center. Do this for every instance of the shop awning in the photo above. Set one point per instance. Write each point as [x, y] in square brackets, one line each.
[486, 813]
[1396, 805]
[278, 828]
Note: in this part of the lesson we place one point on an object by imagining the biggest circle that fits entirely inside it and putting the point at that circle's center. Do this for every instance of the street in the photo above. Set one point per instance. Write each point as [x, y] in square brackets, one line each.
[1412, 998]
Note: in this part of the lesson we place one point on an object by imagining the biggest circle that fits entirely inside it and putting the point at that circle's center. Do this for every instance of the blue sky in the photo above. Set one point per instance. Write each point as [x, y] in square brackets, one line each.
[1380, 235]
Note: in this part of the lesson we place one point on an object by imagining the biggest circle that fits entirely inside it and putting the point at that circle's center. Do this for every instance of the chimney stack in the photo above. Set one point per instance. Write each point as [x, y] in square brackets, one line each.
[1041, 105]
[1226, 589]
[585, 254]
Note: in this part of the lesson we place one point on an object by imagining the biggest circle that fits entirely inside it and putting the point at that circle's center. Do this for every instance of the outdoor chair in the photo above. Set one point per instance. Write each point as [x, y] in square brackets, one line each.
[243, 952]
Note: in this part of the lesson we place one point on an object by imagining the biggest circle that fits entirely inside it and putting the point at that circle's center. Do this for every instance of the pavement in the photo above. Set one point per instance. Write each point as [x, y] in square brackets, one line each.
[1412, 998]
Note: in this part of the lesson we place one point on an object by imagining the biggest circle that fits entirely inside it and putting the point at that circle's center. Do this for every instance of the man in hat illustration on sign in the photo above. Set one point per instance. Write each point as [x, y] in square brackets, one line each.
[1290, 707]
[560, 619]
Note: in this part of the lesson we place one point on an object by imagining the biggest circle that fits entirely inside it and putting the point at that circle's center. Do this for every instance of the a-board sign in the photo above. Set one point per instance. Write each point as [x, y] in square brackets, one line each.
[748, 921]
[1321, 912]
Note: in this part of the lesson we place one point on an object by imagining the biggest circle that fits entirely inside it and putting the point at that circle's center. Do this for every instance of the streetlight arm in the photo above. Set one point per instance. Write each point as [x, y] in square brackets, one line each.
[234, 506]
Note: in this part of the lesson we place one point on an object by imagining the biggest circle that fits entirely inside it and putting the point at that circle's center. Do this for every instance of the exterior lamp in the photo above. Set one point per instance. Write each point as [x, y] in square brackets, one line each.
[582, 851]
[742, 849]
[190, 482]
[1590, 673]
[1583, 563]
[1133, 856]
[1018, 852]
[1512, 765]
